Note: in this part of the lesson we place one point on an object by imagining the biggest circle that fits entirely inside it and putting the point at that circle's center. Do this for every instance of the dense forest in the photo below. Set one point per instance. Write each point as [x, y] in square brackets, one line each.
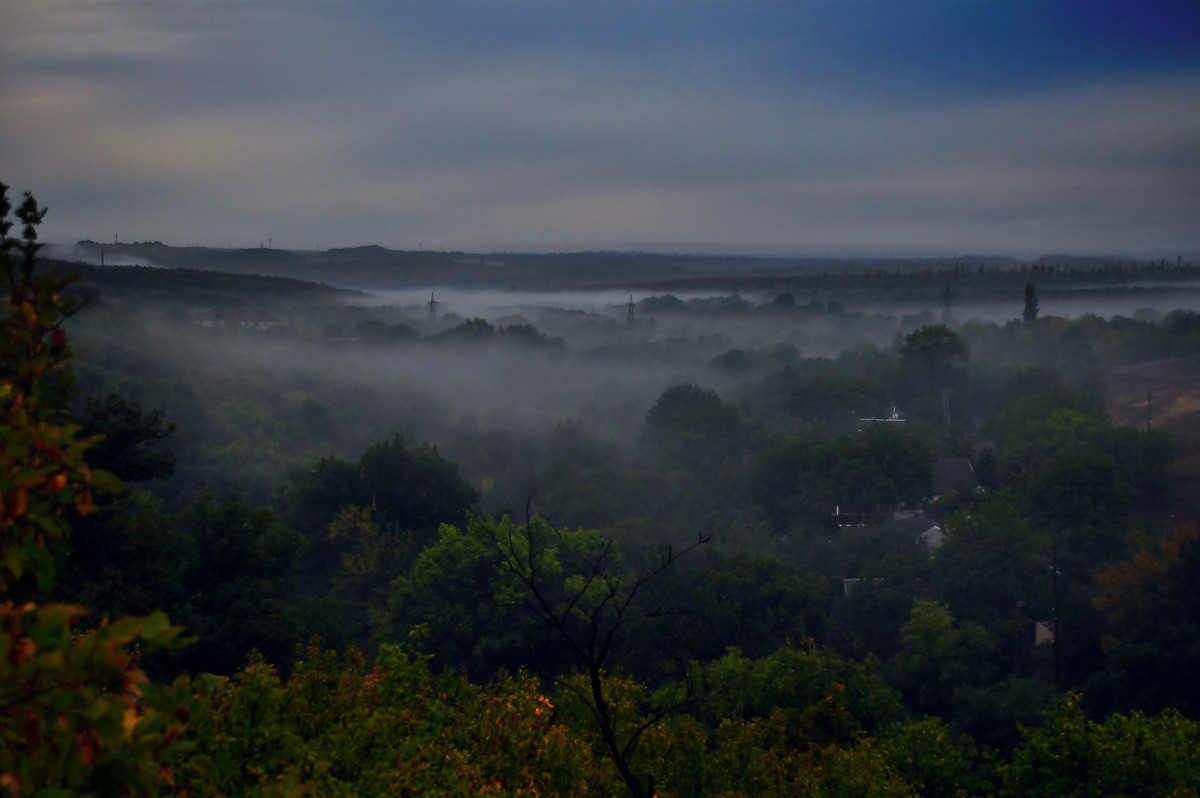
[262, 535]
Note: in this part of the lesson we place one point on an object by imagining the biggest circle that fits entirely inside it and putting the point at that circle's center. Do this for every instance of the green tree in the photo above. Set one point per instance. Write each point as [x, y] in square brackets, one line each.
[1082, 502]
[372, 557]
[336, 728]
[130, 442]
[691, 426]
[79, 716]
[239, 585]
[937, 351]
[938, 656]
[993, 567]
[1031, 304]
[125, 554]
[1131, 754]
[578, 591]
[834, 400]
[857, 475]
[753, 602]
[410, 491]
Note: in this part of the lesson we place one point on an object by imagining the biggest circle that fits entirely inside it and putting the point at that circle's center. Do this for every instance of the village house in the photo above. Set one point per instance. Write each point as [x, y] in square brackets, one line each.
[244, 318]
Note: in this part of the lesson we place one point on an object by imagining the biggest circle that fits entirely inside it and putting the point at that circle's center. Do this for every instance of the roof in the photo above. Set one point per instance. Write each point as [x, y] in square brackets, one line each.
[951, 473]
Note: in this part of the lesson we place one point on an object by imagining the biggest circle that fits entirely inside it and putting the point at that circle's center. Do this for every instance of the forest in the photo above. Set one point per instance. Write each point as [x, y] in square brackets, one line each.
[912, 529]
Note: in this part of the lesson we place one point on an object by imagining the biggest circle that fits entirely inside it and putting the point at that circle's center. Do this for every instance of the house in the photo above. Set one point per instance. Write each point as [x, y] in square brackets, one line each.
[1039, 633]
[950, 474]
[244, 318]
[851, 585]
[928, 532]
[895, 418]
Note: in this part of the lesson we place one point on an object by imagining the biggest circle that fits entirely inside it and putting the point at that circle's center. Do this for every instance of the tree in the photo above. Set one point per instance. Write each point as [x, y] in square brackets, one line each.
[238, 584]
[125, 553]
[131, 439]
[573, 585]
[992, 565]
[1031, 304]
[859, 474]
[691, 425]
[754, 602]
[1152, 609]
[373, 556]
[78, 715]
[938, 656]
[335, 728]
[1132, 754]
[937, 351]
[589, 611]
[410, 491]
[1081, 501]
[834, 400]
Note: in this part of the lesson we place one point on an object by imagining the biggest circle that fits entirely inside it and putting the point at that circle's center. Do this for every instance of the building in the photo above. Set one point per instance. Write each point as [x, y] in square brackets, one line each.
[243, 318]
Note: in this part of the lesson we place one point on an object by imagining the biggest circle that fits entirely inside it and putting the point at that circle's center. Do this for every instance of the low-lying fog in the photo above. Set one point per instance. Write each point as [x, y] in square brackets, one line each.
[329, 387]
[495, 304]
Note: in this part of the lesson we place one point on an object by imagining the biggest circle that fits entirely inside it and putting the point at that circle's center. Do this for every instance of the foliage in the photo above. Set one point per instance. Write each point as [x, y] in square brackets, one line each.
[754, 602]
[409, 491]
[859, 475]
[238, 585]
[829, 699]
[78, 714]
[938, 351]
[334, 728]
[692, 426]
[1149, 601]
[373, 555]
[574, 585]
[1081, 500]
[937, 657]
[934, 759]
[127, 557]
[129, 446]
[992, 566]
[444, 600]
[125, 554]
[1130, 754]
[412, 488]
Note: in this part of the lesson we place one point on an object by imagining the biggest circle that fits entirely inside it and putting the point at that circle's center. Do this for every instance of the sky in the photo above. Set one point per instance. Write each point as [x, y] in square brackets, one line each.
[839, 127]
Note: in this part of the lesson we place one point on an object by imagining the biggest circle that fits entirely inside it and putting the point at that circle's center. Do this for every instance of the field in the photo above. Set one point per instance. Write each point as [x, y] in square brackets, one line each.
[1174, 407]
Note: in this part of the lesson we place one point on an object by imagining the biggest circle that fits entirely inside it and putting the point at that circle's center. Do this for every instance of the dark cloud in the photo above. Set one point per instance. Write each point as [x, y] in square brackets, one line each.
[592, 124]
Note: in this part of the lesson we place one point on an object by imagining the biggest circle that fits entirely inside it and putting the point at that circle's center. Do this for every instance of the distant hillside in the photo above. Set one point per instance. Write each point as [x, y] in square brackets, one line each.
[374, 267]
[192, 286]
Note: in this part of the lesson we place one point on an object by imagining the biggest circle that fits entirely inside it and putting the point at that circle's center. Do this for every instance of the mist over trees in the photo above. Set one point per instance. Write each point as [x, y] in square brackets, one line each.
[755, 531]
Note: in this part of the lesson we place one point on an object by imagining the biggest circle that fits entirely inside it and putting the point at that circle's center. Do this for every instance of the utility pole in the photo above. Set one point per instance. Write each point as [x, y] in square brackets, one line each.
[629, 314]
[1057, 631]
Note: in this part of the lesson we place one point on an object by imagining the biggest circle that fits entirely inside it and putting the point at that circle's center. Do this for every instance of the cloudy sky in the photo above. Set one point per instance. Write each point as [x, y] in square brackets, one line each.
[853, 127]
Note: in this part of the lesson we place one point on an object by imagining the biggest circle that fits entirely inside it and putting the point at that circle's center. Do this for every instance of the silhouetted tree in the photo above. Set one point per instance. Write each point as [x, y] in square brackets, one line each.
[1031, 304]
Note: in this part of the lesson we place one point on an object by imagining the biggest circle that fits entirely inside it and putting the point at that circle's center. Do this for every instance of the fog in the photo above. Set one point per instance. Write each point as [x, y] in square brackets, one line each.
[347, 371]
